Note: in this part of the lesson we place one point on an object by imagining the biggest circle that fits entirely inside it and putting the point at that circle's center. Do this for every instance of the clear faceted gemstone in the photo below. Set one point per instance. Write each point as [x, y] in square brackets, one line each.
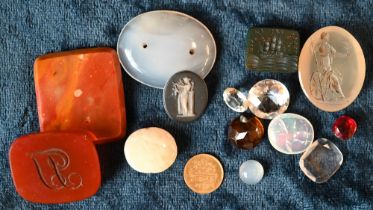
[268, 98]
[251, 172]
[290, 133]
[321, 160]
[235, 99]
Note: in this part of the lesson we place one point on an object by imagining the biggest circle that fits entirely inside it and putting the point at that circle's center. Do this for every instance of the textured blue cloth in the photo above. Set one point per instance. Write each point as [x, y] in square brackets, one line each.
[32, 28]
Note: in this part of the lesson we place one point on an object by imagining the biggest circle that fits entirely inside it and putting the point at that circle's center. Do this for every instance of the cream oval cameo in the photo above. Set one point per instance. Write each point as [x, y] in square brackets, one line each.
[331, 68]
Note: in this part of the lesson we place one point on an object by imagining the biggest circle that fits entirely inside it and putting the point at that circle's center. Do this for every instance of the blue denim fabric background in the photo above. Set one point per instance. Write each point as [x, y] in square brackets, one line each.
[32, 28]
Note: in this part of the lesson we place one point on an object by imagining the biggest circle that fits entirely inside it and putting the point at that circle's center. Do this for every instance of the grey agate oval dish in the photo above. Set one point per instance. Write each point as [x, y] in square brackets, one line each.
[331, 68]
[155, 45]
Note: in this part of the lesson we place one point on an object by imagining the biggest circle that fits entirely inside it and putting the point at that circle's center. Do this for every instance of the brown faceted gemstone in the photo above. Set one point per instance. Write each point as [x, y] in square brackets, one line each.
[246, 132]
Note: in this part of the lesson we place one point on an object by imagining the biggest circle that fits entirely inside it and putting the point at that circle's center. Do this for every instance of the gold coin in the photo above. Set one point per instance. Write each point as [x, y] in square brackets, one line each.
[203, 173]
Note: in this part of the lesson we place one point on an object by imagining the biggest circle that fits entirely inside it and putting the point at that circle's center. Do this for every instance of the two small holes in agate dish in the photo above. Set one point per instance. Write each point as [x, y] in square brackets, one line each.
[191, 51]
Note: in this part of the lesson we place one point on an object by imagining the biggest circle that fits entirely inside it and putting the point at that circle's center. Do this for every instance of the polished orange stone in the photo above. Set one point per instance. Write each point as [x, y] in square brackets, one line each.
[81, 90]
[55, 167]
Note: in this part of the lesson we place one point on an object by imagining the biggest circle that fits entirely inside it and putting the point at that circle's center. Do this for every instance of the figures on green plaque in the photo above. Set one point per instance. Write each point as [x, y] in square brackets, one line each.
[273, 50]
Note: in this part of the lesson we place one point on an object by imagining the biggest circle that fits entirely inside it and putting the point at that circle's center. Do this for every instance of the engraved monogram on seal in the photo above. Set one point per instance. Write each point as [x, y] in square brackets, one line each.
[326, 80]
[52, 166]
[183, 89]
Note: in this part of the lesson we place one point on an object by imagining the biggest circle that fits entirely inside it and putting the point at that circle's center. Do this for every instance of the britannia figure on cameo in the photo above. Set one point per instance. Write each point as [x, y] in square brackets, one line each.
[326, 80]
[184, 90]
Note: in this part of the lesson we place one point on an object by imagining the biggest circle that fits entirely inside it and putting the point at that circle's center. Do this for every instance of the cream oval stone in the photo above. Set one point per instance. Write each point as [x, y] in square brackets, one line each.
[150, 150]
[331, 68]
[155, 45]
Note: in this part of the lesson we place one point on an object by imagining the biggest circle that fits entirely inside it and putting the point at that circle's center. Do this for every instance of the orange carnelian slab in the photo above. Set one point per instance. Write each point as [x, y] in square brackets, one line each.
[55, 167]
[81, 90]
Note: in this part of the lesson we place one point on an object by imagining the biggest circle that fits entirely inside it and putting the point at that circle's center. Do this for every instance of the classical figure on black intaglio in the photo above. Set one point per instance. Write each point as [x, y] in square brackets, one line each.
[183, 89]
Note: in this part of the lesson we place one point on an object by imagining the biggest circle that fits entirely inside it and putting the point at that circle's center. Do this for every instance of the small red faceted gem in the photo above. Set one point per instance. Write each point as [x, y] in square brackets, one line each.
[55, 167]
[344, 127]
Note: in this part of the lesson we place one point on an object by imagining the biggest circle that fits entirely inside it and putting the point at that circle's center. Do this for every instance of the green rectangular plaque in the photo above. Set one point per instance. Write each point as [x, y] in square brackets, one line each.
[272, 50]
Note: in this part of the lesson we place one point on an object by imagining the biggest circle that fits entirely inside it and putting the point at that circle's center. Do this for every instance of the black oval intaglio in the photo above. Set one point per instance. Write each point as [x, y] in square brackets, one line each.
[185, 96]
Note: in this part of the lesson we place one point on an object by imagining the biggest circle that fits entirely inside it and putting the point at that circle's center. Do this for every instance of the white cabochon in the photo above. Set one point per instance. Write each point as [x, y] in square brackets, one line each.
[290, 133]
[150, 150]
[331, 68]
[155, 45]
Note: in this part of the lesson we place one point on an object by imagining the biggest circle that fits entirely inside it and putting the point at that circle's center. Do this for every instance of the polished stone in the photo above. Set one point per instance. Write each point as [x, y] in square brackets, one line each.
[331, 68]
[155, 45]
[235, 100]
[321, 160]
[246, 132]
[251, 172]
[268, 98]
[55, 167]
[344, 127]
[185, 96]
[81, 90]
[150, 150]
[290, 133]
[272, 49]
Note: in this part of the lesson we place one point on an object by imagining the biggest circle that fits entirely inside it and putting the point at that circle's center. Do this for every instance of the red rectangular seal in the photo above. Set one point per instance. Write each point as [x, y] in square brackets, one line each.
[55, 167]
